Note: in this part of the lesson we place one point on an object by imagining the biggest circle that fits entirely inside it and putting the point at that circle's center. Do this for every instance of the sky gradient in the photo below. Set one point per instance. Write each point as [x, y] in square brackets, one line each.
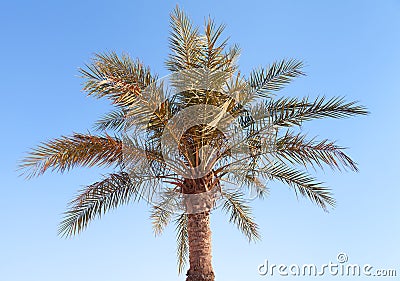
[350, 48]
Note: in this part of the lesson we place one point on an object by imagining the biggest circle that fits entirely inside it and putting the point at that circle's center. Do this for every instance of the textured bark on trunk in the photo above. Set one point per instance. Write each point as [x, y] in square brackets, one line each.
[199, 233]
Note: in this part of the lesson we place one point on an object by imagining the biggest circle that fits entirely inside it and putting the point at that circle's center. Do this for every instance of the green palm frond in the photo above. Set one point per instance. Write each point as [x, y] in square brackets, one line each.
[114, 120]
[182, 240]
[65, 153]
[295, 148]
[240, 214]
[97, 199]
[293, 111]
[118, 78]
[302, 183]
[184, 42]
[214, 57]
[275, 77]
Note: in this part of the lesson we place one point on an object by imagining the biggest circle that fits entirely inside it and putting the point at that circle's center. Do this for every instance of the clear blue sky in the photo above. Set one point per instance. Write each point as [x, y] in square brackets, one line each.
[351, 48]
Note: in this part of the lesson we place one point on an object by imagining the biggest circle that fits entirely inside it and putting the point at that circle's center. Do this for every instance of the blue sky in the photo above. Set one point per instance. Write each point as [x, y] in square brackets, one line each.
[351, 48]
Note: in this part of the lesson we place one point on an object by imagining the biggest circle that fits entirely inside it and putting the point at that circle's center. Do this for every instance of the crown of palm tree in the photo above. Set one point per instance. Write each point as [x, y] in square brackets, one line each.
[141, 107]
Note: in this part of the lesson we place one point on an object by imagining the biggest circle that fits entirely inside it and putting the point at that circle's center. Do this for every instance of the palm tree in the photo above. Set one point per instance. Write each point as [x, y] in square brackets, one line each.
[241, 137]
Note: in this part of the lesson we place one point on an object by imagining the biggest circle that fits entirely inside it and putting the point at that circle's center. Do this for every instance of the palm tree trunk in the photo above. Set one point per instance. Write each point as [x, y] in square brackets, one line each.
[199, 234]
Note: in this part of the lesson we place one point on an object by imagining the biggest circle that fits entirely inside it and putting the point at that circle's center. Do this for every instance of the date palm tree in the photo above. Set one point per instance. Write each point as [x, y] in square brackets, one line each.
[265, 142]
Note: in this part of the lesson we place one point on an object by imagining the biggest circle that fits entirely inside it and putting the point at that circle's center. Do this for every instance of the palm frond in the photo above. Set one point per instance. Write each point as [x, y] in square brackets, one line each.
[160, 218]
[112, 121]
[257, 188]
[67, 152]
[95, 200]
[247, 178]
[228, 63]
[295, 148]
[118, 78]
[182, 239]
[302, 183]
[145, 157]
[293, 111]
[237, 143]
[164, 208]
[240, 214]
[275, 77]
[184, 42]
[214, 57]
